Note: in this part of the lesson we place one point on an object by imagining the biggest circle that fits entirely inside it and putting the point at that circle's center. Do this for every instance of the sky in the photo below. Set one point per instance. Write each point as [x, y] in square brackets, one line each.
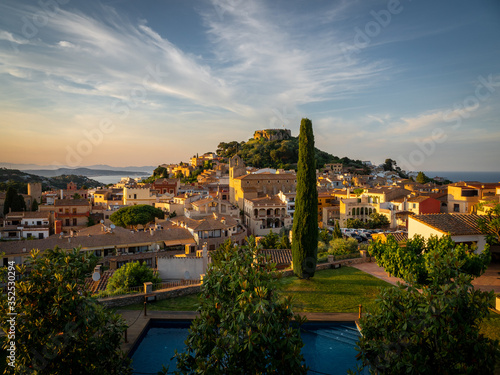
[132, 83]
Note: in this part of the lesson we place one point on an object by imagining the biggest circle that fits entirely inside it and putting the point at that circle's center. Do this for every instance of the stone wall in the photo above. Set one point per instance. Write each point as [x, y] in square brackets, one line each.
[273, 134]
[160, 294]
[175, 268]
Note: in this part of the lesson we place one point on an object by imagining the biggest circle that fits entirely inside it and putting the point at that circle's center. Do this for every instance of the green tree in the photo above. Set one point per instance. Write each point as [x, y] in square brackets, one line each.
[305, 219]
[60, 329]
[160, 172]
[388, 165]
[358, 191]
[377, 220]
[284, 242]
[34, 206]
[270, 241]
[422, 178]
[130, 275]
[412, 262]
[244, 324]
[90, 222]
[337, 233]
[432, 331]
[339, 246]
[489, 224]
[324, 236]
[77, 196]
[140, 214]
[19, 203]
[13, 201]
[354, 223]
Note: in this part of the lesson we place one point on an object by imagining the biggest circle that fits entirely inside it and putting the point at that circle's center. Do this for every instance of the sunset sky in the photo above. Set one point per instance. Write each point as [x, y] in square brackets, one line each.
[149, 82]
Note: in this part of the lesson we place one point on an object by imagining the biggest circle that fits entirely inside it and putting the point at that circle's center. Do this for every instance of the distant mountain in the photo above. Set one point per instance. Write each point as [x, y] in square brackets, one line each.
[85, 172]
[19, 180]
[148, 169]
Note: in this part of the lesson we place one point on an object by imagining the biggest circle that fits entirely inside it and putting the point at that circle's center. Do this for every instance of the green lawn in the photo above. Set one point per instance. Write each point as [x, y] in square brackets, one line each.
[333, 290]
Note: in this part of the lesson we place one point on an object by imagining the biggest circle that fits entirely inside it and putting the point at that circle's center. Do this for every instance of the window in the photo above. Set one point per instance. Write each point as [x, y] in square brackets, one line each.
[66, 222]
[60, 210]
[38, 223]
[456, 207]
[135, 196]
[40, 236]
[74, 210]
[74, 222]
[414, 205]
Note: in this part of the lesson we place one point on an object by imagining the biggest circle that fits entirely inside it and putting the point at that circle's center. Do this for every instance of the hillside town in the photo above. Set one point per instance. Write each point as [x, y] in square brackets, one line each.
[230, 200]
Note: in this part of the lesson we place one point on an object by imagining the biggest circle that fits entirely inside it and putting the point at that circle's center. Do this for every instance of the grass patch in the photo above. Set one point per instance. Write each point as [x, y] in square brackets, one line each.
[184, 303]
[333, 290]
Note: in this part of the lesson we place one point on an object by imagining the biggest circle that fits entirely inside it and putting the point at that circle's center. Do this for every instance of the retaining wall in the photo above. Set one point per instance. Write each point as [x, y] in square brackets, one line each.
[160, 294]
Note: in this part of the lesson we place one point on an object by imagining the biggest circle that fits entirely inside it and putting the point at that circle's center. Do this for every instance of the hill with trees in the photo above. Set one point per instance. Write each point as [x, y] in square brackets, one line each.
[19, 180]
[280, 153]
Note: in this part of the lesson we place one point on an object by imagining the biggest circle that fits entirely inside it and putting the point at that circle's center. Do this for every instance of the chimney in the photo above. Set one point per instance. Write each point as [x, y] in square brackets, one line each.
[62, 194]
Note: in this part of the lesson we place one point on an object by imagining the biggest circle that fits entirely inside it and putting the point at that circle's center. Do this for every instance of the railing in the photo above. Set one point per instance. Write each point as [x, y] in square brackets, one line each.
[120, 292]
[174, 284]
[345, 256]
[140, 289]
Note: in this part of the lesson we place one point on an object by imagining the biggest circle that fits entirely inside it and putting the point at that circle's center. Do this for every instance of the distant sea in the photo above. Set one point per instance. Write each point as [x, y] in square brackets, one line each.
[112, 179]
[466, 176]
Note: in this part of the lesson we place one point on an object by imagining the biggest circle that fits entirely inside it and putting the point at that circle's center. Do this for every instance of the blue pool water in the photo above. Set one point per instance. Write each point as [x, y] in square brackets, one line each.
[328, 347]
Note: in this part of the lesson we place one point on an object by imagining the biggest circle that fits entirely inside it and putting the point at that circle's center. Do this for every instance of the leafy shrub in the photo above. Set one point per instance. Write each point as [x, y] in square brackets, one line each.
[339, 246]
[244, 325]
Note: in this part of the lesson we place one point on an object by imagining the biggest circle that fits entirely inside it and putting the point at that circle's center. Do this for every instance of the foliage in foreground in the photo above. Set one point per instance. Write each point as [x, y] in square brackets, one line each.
[490, 224]
[435, 331]
[244, 326]
[305, 218]
[413, 262]
[59, 328]
[130, 275]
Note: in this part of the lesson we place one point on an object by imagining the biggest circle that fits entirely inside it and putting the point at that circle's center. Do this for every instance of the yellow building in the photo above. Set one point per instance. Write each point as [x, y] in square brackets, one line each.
[356, 208]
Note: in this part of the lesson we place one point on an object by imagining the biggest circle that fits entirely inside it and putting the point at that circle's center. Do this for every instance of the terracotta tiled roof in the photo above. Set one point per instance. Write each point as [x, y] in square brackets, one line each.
[94, 237]
[399, 237]
[71, 202]
[455, 224]
[418, 199]
[266, 201]
[280, 257]
[201, 202]
[268, 176]
[29, 215]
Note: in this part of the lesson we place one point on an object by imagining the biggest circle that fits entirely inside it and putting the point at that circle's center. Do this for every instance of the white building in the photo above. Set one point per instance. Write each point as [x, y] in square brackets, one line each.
[462, 228]
[18, 225]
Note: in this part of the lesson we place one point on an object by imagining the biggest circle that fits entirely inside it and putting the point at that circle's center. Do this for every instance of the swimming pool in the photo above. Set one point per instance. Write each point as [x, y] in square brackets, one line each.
[328, 346]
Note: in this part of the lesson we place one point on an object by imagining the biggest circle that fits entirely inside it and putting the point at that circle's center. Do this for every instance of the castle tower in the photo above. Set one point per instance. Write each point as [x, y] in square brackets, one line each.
[237, 168]
[35, 191]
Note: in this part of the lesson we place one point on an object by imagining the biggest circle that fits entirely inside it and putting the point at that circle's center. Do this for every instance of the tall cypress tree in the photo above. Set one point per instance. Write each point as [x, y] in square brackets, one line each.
[10, 197]
[305, 218]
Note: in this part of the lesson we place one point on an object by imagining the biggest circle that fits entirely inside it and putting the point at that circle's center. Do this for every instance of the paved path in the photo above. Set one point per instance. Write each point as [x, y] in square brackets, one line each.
[488, 281]
[373, 269]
